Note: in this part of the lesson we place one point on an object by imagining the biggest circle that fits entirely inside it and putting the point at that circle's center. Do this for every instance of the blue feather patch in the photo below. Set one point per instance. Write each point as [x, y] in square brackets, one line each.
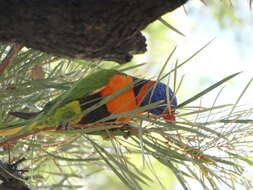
[158, 94]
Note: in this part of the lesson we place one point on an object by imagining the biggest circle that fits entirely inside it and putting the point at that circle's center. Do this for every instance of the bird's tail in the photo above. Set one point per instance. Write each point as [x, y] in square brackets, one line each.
[24, 115]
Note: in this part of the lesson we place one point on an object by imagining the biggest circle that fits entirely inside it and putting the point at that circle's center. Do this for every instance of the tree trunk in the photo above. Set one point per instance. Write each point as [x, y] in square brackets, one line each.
[85, 29]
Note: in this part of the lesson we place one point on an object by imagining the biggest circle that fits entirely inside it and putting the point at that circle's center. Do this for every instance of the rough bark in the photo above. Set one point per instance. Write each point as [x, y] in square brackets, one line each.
[86, 29]
[11, 177]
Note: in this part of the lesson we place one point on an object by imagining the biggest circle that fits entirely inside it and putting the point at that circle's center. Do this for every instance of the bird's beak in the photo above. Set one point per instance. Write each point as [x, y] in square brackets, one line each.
[169, 115]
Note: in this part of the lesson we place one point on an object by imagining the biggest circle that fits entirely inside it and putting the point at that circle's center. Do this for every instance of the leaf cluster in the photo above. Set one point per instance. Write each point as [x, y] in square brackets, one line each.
[210, 145]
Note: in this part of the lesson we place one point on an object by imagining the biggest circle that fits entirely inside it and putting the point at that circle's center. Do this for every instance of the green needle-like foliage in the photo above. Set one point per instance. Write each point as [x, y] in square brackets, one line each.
[210, 145]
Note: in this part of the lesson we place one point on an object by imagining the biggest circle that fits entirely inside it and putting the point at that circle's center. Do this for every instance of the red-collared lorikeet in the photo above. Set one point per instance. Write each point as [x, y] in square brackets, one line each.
[92, 89]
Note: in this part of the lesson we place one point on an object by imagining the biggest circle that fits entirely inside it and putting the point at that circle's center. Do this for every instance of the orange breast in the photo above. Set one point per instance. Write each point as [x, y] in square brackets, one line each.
[124, 102]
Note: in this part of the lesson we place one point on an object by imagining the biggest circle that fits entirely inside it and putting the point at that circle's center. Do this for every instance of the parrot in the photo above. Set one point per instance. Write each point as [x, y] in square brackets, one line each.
[89, 91]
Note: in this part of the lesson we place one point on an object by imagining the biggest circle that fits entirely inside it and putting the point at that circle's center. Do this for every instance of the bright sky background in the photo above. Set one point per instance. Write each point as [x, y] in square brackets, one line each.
[230, 52]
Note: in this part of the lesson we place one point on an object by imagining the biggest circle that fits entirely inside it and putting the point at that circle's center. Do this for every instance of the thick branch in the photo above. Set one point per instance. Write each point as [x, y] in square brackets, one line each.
[86, 29]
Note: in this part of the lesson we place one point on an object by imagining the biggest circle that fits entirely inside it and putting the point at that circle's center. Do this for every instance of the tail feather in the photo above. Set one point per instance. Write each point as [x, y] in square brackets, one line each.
[24, 115]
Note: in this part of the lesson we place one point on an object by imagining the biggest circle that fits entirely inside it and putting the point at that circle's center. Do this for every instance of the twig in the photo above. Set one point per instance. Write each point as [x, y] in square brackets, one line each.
[14, 139]
[57, 143]
[14, 50]
[78, 126]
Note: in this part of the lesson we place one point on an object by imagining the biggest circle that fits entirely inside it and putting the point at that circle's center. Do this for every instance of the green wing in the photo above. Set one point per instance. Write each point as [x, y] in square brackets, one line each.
[82, 88]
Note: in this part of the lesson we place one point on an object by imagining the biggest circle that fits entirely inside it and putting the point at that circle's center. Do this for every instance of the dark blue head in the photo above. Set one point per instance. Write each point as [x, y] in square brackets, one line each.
[158, 92]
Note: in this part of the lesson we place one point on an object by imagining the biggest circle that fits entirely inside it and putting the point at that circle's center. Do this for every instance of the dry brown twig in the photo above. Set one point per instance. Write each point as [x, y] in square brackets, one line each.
[7, 60]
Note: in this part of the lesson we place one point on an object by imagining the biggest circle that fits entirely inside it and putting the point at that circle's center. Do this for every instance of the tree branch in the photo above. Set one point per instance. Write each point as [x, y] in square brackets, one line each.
[86, 29]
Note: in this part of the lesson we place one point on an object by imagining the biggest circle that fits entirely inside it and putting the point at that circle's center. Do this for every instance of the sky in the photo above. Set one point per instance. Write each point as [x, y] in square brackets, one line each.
[229, 52]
